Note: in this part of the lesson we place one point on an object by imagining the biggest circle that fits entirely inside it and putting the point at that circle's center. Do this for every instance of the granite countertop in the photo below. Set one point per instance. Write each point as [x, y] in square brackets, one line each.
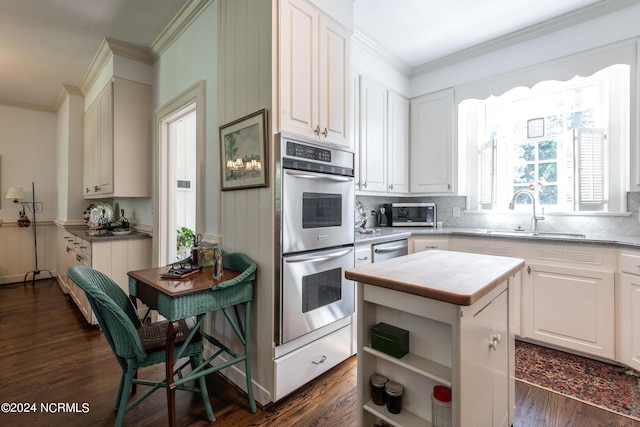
[458, 278]
[83, 233]
[386, 234]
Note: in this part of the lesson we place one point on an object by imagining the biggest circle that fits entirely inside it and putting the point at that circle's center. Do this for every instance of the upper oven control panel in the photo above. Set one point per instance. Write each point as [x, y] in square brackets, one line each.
[298, 153]
[304, 151]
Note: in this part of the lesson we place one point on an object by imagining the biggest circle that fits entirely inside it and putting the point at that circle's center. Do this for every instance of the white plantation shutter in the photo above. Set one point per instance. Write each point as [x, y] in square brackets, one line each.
[566, 170]
[590, 174]
[487, 166]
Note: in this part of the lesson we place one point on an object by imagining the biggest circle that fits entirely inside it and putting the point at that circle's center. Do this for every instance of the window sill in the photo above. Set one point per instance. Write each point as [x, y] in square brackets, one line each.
[528, 212]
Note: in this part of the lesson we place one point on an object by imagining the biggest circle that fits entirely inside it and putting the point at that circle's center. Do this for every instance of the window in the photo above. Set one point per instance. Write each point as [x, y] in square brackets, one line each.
[551, 140]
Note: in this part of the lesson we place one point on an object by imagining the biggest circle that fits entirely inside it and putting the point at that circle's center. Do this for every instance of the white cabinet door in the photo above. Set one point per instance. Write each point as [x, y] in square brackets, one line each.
[117, 141]
[432, 144]
[397, 143]
[570, 307]
[373, 135]
[98, 145]
[629, 334]
[334, 79]
[484, 354]
[314, 74]
[299, 68]
[363, 255]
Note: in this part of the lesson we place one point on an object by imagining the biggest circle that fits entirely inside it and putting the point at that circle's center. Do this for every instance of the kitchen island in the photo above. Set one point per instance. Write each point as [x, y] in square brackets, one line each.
[457, 309]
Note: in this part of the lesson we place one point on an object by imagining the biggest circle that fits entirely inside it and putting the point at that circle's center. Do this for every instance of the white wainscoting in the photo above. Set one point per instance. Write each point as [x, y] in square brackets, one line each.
[17, 255]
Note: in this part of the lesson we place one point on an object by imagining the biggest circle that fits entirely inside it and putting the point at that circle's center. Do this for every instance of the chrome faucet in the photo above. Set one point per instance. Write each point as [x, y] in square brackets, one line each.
[534, 218]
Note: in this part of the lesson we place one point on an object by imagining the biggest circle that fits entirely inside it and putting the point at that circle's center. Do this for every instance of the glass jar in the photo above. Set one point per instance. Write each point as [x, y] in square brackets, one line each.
[394, 391]
[441, 406]
[377, 382]
[206, 254]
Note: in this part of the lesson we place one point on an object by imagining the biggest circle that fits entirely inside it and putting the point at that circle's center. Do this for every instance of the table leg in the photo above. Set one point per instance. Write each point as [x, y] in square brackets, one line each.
[172, 330]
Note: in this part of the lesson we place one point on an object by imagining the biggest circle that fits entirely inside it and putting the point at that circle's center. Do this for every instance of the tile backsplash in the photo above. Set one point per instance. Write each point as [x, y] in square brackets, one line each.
[619, 224]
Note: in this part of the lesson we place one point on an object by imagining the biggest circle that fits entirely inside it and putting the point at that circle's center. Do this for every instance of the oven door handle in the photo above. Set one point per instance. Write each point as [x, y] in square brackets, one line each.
[391, 248]
[316, 258]
[307, 175]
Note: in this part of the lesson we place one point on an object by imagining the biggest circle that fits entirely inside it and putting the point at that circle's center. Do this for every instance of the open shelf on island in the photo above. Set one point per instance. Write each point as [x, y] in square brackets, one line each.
[403, 419]
[420, 365]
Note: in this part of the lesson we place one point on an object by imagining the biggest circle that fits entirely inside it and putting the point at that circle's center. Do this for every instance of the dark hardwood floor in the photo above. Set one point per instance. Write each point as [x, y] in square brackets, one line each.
[50, 356]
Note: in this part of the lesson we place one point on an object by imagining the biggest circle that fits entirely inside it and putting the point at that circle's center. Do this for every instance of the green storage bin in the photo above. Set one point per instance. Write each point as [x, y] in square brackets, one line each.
[390, 339]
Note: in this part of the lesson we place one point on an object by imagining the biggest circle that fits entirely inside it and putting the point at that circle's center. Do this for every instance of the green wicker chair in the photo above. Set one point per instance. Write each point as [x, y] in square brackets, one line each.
[135, 345]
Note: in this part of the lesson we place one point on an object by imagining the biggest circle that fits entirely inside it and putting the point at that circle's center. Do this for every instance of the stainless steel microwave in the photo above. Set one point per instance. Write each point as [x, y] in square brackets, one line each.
[413, 214]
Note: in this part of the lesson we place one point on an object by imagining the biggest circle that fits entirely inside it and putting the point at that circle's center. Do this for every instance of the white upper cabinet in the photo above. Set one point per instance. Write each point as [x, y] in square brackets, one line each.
[383, 131]
[314, 74]
[397, 143]
[98, 145]
[432, 144]
[117, 141]
[373, 136]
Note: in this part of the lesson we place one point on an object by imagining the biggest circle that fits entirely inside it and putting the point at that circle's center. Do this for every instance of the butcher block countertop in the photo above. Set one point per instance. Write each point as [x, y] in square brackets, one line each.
[458, 278]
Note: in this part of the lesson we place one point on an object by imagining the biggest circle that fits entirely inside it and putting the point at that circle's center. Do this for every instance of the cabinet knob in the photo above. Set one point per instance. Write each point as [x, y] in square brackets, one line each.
[391, 187]
[96, 188]
[87, 190]
[364, 184]
[493, 345]
[325, 132]
[317, 131]
[497, 337]
[363, 259]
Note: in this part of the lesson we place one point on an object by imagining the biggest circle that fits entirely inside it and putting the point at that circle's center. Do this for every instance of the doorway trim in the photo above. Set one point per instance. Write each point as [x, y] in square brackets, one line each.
[162, 164]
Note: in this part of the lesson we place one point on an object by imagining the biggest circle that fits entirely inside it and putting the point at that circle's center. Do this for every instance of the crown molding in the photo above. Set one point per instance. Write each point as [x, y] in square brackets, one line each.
[27, 106]
[62, 95]
[189, 12]
[107, 49]
[383, 54]
[579, 16]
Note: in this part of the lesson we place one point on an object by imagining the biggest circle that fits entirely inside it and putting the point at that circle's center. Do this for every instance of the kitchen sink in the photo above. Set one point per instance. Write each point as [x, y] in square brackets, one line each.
[532, 234]
[561, 235]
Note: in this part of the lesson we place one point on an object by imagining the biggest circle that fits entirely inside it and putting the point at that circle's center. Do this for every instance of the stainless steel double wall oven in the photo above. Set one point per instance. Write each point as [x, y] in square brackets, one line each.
[315, 195]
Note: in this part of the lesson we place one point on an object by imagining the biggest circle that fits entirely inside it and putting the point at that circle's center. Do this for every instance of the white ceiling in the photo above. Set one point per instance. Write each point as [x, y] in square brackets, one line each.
[421, 31]
[45, 44]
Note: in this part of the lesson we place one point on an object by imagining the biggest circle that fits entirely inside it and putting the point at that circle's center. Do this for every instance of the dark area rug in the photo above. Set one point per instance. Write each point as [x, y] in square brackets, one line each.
[607, 386]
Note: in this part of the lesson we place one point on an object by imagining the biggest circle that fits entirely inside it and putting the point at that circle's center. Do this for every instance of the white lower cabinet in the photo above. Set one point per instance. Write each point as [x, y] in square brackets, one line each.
[363, 254]
[629, 307]
[80, 255]
[485, 354]
[468, 348]
[113, 258]
[572, 307]
[304, 364]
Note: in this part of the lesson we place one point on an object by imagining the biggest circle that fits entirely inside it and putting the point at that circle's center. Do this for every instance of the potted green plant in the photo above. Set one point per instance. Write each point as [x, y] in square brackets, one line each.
[185, 239]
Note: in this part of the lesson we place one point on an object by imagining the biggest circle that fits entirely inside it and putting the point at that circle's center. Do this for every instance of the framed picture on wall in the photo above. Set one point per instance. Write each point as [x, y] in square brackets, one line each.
[535, 128]
[244, 152]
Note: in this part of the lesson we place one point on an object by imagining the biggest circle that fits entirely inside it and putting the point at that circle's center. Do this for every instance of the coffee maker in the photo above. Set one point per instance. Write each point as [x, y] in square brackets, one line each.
[383, 216]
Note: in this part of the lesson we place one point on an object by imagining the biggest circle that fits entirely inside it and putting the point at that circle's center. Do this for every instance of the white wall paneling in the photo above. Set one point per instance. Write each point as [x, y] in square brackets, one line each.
[246, 216]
